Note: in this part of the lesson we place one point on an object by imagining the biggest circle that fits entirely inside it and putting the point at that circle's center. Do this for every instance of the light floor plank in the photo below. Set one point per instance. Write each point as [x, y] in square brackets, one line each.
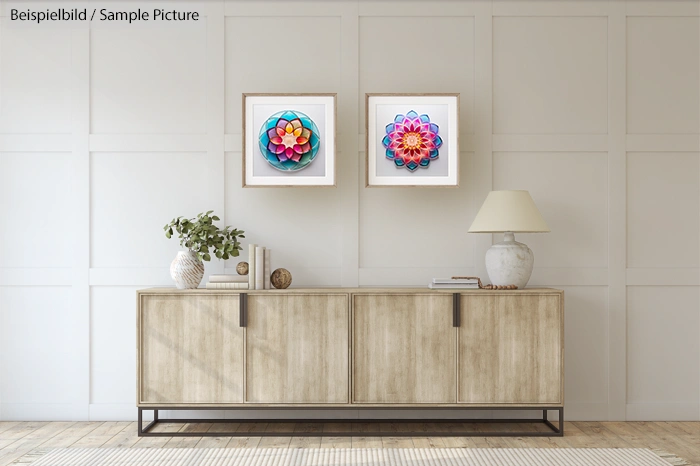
[32, 441]
[366, 442]
[124, 439]
[101, 435]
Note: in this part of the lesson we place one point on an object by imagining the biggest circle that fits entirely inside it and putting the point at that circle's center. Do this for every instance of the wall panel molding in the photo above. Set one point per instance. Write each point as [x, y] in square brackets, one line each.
[663, 8]
[348, 173]
[36, 142]
[550, 143]
[149, 142]
[335, 215]
[662, 411]
[617, 205]
[663, 143]
[663, 276]
[10, 276]
[569, 276]
[546, 8]
[483, 123]
[437, 8]
[216, 113]
[281, 8]
[80, 71]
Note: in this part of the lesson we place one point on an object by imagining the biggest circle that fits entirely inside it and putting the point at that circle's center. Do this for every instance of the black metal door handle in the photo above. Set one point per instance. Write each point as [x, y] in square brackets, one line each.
[456, 314]
[243, 309]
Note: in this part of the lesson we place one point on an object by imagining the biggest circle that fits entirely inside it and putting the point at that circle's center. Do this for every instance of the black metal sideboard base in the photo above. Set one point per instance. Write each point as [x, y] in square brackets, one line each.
[554, 431]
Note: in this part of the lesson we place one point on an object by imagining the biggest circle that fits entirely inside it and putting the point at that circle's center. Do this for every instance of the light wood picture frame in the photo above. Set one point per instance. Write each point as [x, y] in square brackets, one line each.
[306, 159]
[394, 158]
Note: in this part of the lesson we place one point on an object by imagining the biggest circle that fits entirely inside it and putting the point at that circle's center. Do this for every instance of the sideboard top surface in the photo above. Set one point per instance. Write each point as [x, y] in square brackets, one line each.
[366, 290]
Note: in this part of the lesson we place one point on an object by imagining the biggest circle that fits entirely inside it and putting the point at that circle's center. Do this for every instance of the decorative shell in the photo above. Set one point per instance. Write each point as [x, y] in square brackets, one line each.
[281, 279]
[242, 268]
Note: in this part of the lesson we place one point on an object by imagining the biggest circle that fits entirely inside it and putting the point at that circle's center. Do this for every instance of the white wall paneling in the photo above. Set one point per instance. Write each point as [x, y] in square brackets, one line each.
[669, 40]
[32, 104]
[662, 323]
[538, 56]
[673, 176]
[149, 80]
[40, 336]
[137, 125]
[112, 351]
[617, 305]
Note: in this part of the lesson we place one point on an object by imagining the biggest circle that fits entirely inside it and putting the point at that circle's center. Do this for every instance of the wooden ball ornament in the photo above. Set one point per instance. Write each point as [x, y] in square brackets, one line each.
[242, 268]
[281, 279]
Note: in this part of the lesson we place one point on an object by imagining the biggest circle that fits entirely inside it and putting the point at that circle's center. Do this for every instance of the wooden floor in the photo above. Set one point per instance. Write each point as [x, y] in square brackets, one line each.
[17, 439]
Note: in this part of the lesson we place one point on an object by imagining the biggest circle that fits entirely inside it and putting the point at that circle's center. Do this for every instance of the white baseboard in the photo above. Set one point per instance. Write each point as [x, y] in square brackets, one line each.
[116, 412]
[581, 411]
[663, 411]
[43, 412]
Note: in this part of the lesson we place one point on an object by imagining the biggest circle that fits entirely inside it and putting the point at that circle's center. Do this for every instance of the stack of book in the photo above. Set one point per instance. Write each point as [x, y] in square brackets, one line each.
[454, 283]
[228, 282]
[258, 267]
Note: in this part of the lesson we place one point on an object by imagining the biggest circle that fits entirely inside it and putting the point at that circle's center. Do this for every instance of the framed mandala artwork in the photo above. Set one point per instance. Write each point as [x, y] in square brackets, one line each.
[289, 140]
[412, 140]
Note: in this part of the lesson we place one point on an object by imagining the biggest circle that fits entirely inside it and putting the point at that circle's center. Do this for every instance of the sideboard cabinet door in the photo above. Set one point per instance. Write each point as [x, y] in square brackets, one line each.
[190, 349]
[403, 349]
[297, 348]
[510, 349]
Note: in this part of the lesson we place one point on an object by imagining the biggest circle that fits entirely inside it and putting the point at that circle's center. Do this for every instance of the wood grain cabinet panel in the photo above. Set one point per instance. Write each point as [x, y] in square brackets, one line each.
[511, 349]
[403, 349]
[297, 348]
[350, 347]
[190, 349]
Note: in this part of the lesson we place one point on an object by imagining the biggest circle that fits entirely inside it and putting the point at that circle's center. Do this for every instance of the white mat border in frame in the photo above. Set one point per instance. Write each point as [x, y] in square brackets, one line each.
[449, 99]
[329, 100]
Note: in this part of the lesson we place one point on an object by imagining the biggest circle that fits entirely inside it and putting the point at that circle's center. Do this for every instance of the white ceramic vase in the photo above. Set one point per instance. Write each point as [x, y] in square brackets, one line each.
[509, 262]
[187, 270]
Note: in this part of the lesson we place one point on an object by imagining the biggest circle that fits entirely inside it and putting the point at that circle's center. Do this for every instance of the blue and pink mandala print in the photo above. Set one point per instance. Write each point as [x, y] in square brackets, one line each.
[289, 140]
[412, 141]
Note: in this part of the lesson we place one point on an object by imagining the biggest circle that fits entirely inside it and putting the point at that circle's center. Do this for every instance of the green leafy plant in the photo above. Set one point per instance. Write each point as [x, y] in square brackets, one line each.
[200, 234]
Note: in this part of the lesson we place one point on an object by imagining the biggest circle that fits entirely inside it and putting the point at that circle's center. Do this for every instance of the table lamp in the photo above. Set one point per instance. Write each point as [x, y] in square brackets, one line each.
[509, 212]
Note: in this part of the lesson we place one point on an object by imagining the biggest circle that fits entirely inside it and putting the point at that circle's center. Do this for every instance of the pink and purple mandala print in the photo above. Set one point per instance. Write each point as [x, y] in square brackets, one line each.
[289, 140]
[412, 141]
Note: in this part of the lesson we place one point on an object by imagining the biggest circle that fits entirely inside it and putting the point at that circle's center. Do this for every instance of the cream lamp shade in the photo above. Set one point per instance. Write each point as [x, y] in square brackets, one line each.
[513, 211]
[509, 212]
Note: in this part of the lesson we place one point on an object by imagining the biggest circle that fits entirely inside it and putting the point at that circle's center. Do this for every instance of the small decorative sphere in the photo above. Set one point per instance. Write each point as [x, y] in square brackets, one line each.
[281, 279]
[242, 268]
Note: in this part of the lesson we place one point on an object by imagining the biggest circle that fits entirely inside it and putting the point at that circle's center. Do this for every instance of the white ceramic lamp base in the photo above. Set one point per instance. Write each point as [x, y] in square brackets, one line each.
[509, 262]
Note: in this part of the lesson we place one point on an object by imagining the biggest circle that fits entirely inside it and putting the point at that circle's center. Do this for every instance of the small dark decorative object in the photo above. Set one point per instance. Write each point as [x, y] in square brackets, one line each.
[242, 268]
[281, 279]
[492, 287]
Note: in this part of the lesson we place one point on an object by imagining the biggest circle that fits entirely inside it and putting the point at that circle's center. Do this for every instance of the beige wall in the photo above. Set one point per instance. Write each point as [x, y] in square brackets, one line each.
[593, 106]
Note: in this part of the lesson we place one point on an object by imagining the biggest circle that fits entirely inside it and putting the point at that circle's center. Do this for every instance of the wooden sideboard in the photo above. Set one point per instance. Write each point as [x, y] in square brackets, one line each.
[350, 348]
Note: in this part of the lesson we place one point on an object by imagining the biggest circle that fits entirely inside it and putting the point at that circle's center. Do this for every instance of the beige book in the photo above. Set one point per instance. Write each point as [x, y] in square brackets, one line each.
[268, 271]
[251, 266]
[260, 268]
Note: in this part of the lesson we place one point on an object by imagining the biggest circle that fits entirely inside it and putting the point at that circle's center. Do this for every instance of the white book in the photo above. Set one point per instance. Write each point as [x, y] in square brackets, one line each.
[268, 272]
[227, 286]
[251, 266]
[455, 280]
[260, 268]
[228, 278]
[455, 286]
